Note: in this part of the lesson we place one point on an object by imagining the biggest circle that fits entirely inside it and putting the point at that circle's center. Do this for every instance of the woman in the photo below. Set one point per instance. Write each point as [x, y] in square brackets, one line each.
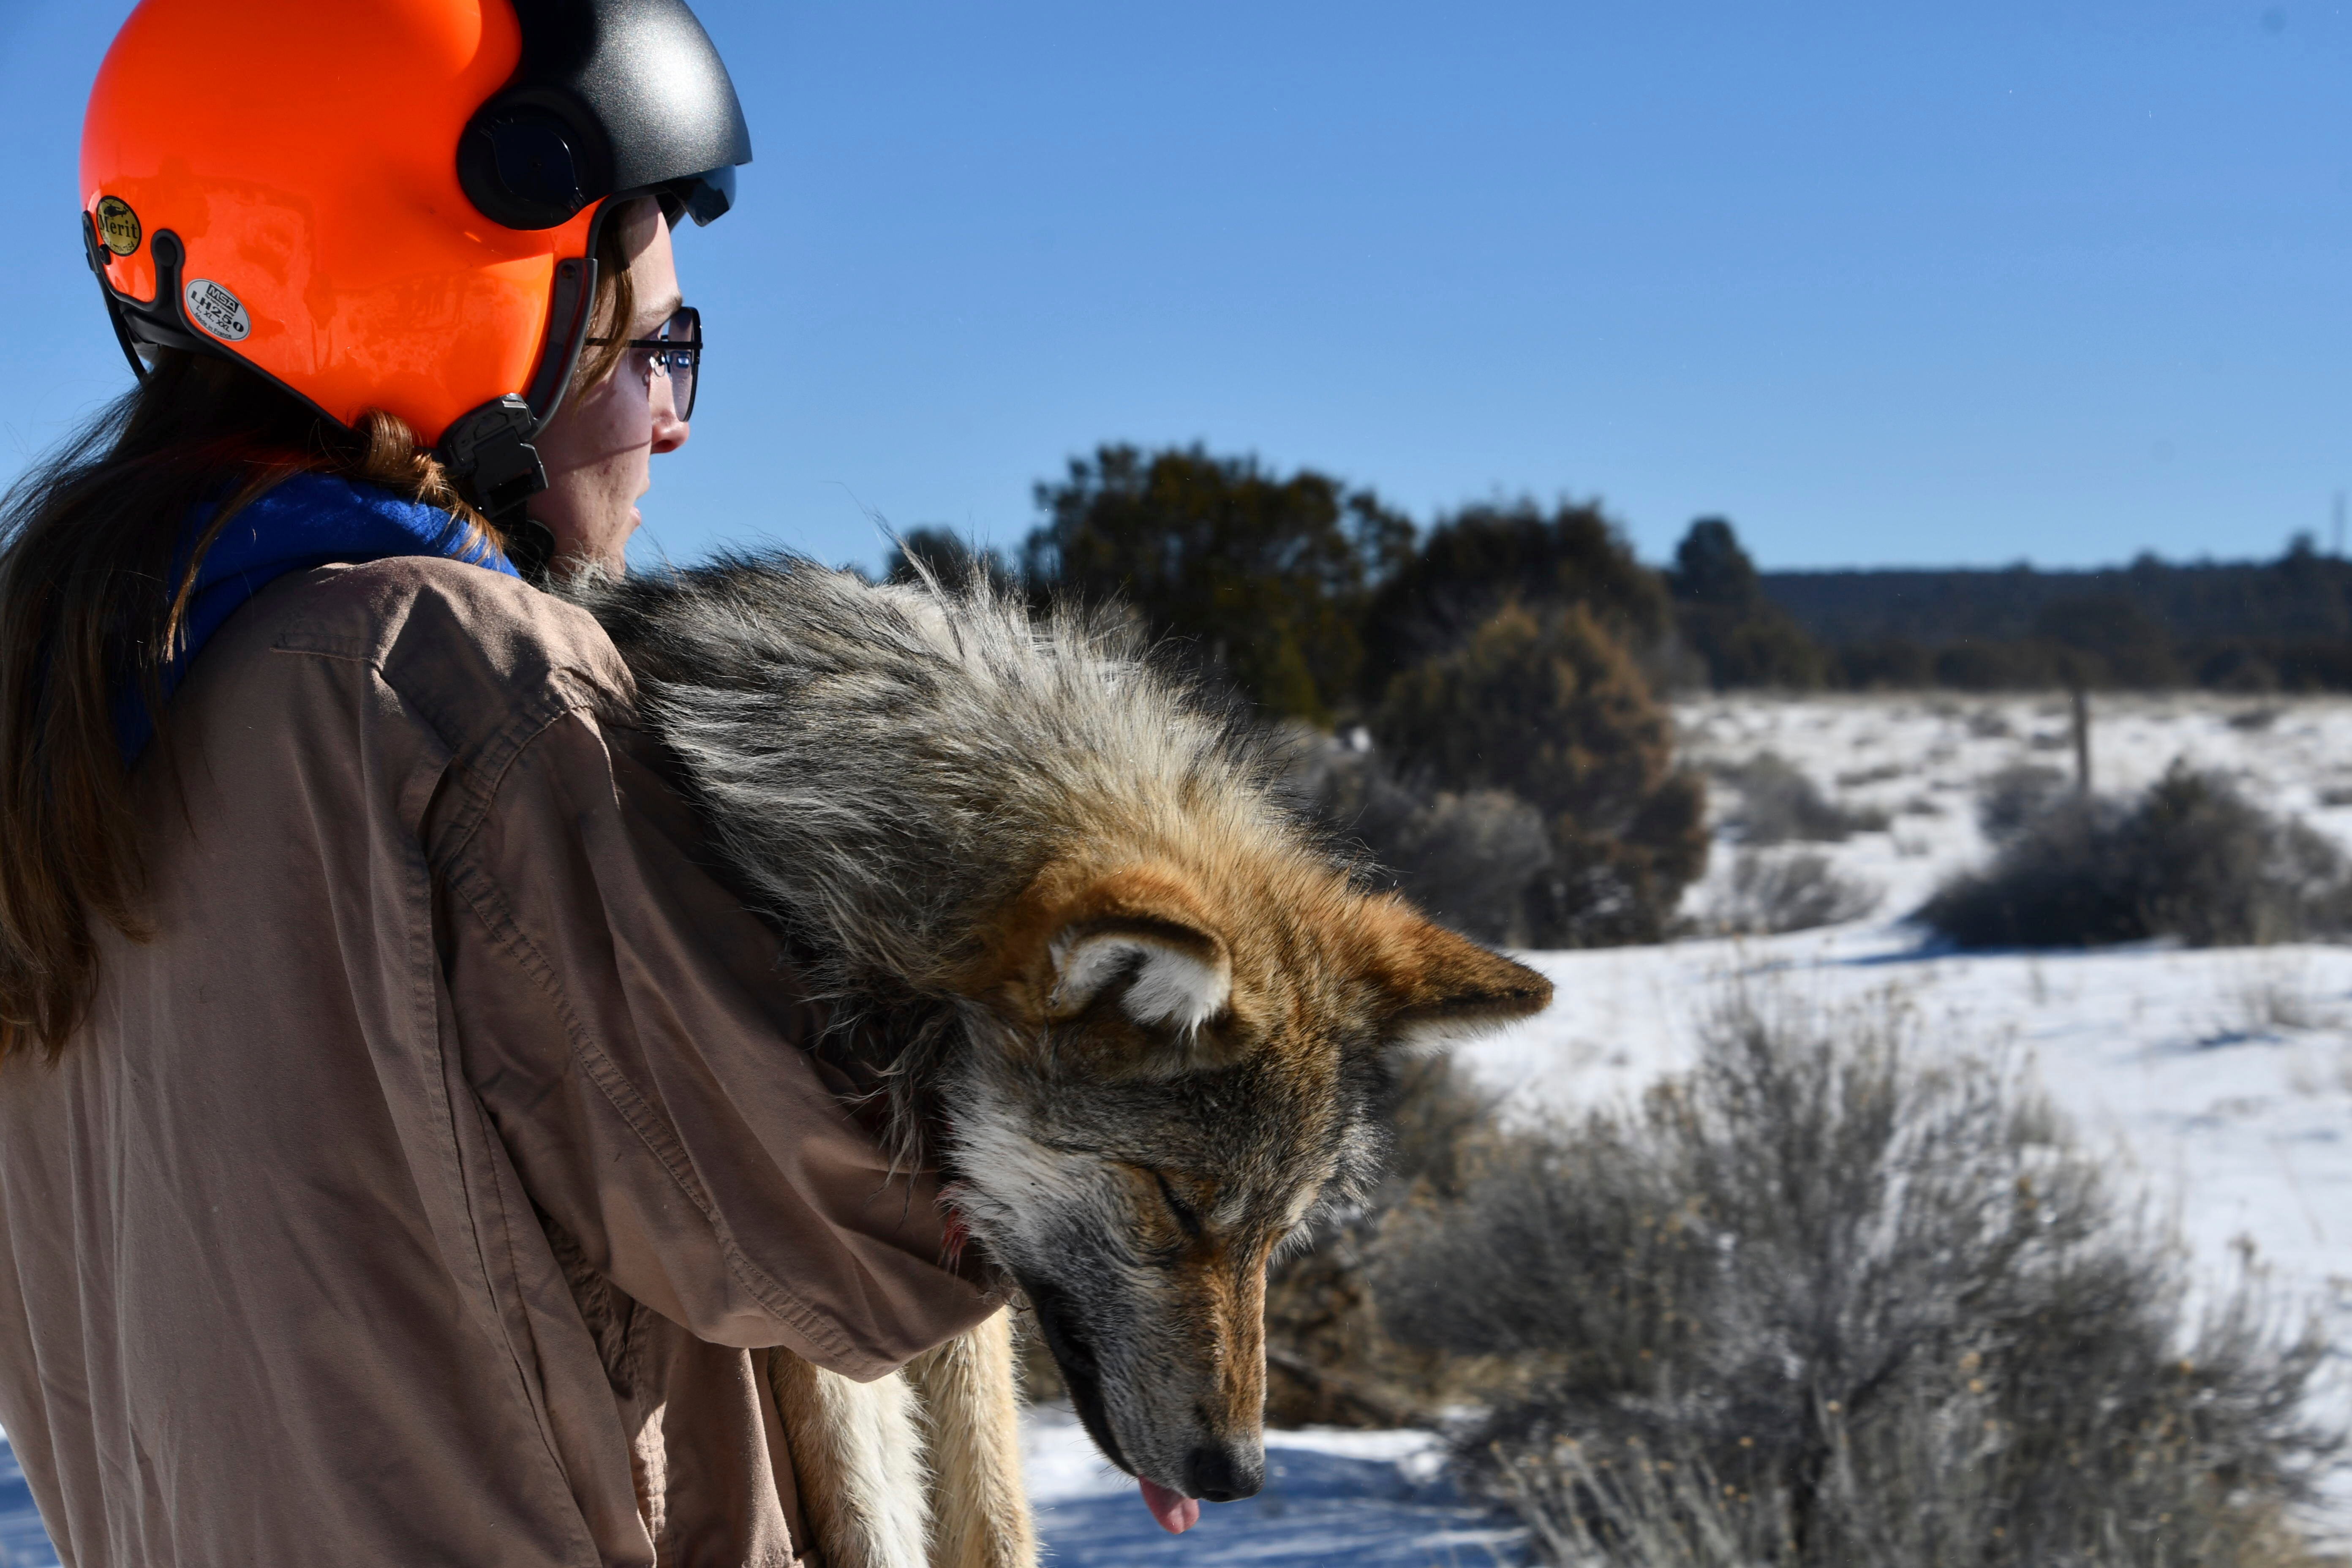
[405, 1154]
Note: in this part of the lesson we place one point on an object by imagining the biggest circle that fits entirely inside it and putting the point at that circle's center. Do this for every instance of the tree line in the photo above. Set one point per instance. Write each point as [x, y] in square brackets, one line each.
[2281, 625]
[1481, 695]
[1476, 701]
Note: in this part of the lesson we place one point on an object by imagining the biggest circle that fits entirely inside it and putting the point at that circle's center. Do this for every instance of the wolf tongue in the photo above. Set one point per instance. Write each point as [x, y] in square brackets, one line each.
[1176, 1513]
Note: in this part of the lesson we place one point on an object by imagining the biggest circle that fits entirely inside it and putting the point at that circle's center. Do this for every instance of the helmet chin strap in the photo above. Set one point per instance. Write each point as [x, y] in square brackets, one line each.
[530, 548]
[488, 455]
[488, 451]
[489, 458]
[93, 254]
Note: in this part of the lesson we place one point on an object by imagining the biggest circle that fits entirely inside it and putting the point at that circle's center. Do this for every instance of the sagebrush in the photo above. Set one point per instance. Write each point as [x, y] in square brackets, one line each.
[2190, 858]
[1817, 1304]
[1771, 894]
[1778, 802]
[1468, 858]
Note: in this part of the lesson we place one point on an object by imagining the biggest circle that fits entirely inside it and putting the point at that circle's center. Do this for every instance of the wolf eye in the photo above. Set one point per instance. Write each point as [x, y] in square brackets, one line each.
[1184, 1213]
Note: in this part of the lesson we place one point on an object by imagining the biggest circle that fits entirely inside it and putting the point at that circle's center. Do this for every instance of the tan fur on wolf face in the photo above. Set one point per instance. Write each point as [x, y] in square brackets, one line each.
[1192, 1047]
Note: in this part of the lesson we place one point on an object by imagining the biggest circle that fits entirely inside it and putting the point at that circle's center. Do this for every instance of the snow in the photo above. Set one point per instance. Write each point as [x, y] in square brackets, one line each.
[2220, 1078]
[23, 1543]
[2216, 1082]
[2219, 1083]
[1372, 1499]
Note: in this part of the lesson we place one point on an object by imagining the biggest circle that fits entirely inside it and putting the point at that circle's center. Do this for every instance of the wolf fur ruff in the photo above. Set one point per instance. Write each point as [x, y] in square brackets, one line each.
[1072, 936]
[885, 767]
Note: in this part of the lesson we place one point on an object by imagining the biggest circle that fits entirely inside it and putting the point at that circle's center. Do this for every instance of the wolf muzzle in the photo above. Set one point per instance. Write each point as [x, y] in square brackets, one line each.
[1217, 1472]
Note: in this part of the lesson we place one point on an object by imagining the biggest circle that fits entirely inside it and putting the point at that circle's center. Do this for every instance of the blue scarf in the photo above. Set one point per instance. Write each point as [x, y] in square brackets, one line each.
[311, 519]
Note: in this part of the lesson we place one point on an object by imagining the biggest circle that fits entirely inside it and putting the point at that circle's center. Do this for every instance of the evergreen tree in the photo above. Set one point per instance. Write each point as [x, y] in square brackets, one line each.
[949, 559]
[1475, 561]
[1266, 576]
[1724, 617]
[1548, 705]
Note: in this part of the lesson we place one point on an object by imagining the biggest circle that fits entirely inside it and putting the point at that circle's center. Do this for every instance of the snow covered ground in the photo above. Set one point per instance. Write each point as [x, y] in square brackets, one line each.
[2220, 1082]
[2220, 1078]
[1370, 1500]
[23, 1543]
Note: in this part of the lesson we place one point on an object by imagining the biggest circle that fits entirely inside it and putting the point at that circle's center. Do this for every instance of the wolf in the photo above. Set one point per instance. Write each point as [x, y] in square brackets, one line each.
[1096, 969]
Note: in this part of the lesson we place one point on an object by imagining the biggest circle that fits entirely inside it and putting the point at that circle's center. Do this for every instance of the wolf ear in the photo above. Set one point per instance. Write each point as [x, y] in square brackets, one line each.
[1177, 976]
[1445, 989]
[1109, 954]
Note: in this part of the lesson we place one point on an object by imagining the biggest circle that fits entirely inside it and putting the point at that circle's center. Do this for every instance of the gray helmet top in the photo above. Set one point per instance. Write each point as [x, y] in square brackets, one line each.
[610, 98]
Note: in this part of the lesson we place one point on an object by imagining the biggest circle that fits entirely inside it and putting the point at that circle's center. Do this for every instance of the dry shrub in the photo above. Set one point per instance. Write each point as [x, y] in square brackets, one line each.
[1636, 1509]
[1773, 894]
[1548, 705]
[1467, 858]
[2192, 858]
[2013, 799]
[1779, 802]
[1814, 1304]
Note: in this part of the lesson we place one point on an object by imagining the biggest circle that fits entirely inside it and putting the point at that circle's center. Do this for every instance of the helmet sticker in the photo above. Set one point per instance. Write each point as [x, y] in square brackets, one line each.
[118, 225]
[217, 311]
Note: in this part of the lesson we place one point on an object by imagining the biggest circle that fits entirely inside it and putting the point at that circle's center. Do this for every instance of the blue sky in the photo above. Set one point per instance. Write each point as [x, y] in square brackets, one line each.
[1883, 283]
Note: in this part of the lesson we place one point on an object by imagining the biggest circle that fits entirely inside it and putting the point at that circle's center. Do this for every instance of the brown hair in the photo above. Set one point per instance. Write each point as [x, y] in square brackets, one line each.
[616, 310]
[89, 603]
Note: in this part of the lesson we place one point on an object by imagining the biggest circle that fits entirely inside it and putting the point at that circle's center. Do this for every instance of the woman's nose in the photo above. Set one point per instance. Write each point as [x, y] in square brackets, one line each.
[669, 431]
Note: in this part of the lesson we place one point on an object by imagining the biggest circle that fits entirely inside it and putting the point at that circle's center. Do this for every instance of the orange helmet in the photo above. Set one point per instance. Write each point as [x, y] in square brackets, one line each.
[393, 203]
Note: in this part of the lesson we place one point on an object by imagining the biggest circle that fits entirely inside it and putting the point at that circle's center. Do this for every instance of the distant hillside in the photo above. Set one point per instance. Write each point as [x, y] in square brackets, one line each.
[2302, 598]
[2241, 626]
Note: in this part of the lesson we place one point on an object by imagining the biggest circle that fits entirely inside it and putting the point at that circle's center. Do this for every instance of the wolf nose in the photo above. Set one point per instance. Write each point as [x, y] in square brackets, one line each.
[1214, 1473]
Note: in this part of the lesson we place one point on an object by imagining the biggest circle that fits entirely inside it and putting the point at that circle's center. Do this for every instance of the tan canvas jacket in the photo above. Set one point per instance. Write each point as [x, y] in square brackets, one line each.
[414, 1194]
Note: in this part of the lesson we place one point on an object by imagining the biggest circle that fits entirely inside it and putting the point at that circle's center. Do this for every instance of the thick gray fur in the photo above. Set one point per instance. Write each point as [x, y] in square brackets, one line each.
[885, 766]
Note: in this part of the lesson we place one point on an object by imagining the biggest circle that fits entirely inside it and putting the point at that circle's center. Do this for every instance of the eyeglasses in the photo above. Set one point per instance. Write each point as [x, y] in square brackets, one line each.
[676, 351]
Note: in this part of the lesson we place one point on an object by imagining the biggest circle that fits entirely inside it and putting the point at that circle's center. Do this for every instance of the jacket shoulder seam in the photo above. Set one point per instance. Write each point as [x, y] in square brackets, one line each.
[361, 650]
